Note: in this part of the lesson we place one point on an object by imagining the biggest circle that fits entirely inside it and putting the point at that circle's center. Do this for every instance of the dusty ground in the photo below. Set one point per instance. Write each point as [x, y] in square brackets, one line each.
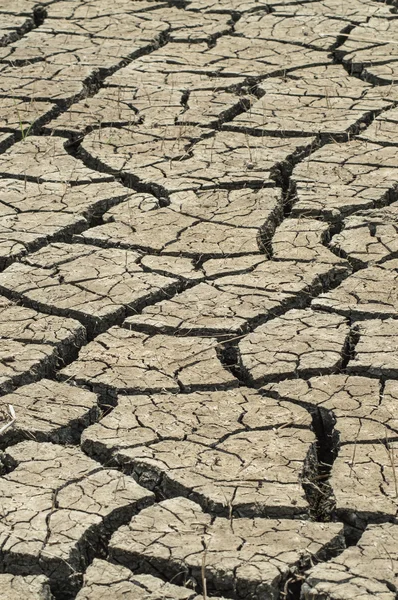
[199, 299]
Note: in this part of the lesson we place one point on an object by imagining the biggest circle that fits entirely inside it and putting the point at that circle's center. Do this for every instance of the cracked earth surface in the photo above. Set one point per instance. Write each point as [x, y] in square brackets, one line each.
[198, 299]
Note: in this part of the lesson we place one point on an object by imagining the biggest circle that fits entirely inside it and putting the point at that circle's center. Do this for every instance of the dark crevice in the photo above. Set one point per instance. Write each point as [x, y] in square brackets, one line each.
[349, 349]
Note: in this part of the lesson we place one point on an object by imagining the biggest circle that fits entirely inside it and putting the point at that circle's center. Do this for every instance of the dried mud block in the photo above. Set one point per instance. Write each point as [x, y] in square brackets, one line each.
[364, 482]
[182, 268]
[13, 27]
[22, 233]
[208, 108]
[299, 343]
[112, 25]
[356, 11]
[19, 7]
[356, 409]
[383, 130]
[371, 50]
[234, 450]
[154, 73]
[302, 115]
[34, 344]
[106, 578]
[192, 27]
[96, 9]
[312, 31]
[95, 51]
[123, 106]
[303, 240]
[250, 558]
[127, 361]
[228, 265]
[45, 82]
[233, 303]
[239, 208]
[58, 506]
[17, 587]
[134, 26]
[255, 58]
[369, 293]
[166, 160]
[366, 570]
[205, 223]
[369, 236]
[229, 57]
[20, 116]
[327, 107]
[187, 269]
[96, 286]
[86, 201]
[48, 411]
[339, 179]
[376, 353]
[33, 214]
[227, 6]
[44, 159]
[329, 81]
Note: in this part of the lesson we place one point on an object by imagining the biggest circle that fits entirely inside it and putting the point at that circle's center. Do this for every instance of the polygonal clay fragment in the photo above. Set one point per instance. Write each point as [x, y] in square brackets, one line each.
[303, 240]
[229, 57]
[86, 201]
[97, 286]
[122, 106]
[369, 236]
[357, 409]
[228, 6]
[45, 159]
[44, 82]
[18, 587]
[383, 130]
[106, 578]
[250, 558]
[304, 115]
[371, 50]
[376, 353]
[339, 179]
[208, 108]
[207, 223]
[366, 570]
[369, 293]
[165, 159]
[230, 265]
[230, 304]
[48, 411]
[193, 27]
[234, 450]
[315, 31]
[324, 100]
[93, 10]
[20, 116]
[34, 344]
[299, 343]
[364, 482]
[57, 506]
[357, 11]
[329, 81]
[14, 26]
[61, 48]
[128, 361]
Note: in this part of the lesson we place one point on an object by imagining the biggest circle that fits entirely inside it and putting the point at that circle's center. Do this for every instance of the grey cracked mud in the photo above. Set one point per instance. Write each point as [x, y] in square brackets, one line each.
[198, 361]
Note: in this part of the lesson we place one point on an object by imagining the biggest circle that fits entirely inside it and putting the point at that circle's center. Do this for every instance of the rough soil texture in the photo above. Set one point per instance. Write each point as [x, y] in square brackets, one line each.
[198, 299]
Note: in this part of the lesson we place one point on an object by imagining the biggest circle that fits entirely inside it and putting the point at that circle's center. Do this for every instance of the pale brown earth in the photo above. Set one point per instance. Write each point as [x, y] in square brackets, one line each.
[198, 299]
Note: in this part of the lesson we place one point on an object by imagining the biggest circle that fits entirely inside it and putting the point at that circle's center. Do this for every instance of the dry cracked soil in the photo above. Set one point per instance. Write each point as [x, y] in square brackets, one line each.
[198, 300]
